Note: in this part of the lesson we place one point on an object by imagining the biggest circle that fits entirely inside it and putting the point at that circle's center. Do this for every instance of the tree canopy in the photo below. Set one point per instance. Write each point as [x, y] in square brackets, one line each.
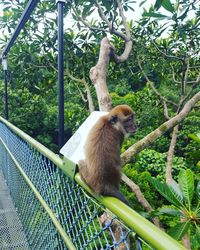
[151, 64]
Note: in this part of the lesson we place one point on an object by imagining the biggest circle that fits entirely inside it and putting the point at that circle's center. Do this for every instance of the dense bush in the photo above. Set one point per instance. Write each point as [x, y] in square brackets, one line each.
[155, 162]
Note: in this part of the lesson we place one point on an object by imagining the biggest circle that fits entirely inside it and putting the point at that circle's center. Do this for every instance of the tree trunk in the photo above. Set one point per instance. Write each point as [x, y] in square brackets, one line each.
[98, 75]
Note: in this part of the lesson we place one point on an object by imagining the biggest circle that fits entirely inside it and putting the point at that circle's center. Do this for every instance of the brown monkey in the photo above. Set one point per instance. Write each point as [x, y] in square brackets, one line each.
[101, 169]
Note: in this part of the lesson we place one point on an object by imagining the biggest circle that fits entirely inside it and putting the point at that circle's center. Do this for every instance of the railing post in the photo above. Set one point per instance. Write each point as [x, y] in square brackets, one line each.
[5, 69]
[60, 7]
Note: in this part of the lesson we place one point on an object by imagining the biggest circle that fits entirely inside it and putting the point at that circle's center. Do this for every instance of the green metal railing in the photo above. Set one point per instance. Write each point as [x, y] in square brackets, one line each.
[58, 211]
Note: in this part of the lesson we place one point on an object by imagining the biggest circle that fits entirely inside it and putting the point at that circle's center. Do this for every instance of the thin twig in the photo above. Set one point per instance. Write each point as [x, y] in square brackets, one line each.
[109, 24]
[163, 53]
[163, 99]
[127, 30]
[186, 66]
[173, 75]
[87, 24]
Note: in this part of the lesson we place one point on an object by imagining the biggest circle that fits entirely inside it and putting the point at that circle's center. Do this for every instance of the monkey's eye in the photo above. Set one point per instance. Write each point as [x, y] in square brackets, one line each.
[130, 118]
[113, 119]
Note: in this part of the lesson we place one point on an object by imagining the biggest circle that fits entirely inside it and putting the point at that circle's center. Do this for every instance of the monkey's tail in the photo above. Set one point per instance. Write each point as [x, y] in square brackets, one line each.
[117, 194]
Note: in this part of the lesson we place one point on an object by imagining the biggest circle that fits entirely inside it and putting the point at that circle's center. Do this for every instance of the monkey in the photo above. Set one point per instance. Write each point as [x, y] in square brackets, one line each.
[101, 168]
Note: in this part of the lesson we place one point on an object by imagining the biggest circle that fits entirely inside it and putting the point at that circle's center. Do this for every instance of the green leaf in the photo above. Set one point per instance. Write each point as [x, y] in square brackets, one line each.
[87, 10]
[174, 187]
[170, 211]
[195, 154]
[169, 193]
[198, 234]
[158, 4]
[142, 3]
[184, 14]
[179, 230]
[195, 137]
[166, 4]
[186, 183]
[153, 14]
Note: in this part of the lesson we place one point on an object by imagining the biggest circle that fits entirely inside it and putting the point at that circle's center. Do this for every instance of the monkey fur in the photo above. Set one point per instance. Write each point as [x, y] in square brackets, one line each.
[101, 168]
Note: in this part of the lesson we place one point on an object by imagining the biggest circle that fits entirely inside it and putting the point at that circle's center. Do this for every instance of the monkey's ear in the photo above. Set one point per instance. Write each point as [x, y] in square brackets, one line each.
[113, 119]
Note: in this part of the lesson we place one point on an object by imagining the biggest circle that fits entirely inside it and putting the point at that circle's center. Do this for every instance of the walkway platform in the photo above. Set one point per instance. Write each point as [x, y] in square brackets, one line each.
[12, 236]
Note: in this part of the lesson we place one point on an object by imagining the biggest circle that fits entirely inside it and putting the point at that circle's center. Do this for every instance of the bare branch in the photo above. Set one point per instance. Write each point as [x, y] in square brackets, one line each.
[184, 98]
[83, 81]
[150, 138]
[163, 53]
[195, 82]
[166, 113]
[164, 100]
[128, 33]
[87, 24]
[81, 94]
[126, 37]
[53, 67]
[186, 66]
[173, 75]
[152, 85]
[109, 24]
[98, 76]
[140, 197]
[103, 16]
[195, 67]
[170, 154]
[124, 56]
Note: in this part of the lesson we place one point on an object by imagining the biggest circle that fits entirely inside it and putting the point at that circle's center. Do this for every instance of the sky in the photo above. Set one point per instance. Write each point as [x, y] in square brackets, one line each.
[130, 15]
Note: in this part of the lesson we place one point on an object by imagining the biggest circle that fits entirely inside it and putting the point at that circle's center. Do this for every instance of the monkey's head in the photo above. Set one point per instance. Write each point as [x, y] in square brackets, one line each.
[122, 118]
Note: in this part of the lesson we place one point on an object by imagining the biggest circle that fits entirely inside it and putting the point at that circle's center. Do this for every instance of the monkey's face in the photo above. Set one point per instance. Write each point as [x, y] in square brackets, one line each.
[122, 118]
[129, 124]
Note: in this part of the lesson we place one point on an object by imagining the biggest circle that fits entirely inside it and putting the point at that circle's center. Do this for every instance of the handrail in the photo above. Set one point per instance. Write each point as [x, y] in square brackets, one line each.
[58, 161]
[145, 229]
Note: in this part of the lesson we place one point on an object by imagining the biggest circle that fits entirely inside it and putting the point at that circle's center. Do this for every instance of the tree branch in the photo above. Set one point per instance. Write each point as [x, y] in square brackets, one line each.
[87, 24]
[163, 100]
[170, 154]
[140, 197]
[125, 24]
[109, 24]
[152, 86]
[83, 81]
[163, 53]
[150, 138]
[186, 66]
[126, 37]
[173, 75]
[98, 75]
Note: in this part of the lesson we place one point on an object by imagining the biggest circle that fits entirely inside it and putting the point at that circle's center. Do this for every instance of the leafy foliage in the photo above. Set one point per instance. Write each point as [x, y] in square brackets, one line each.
[185, 206]
[155, 163]
[162, 48]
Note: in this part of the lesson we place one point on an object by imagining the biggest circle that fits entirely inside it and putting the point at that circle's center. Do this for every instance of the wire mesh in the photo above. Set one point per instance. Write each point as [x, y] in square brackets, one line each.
[88, 224]
[11, 231]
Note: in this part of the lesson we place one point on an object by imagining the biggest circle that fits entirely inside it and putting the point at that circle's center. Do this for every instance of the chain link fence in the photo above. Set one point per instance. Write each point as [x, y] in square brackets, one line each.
[88, 225]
